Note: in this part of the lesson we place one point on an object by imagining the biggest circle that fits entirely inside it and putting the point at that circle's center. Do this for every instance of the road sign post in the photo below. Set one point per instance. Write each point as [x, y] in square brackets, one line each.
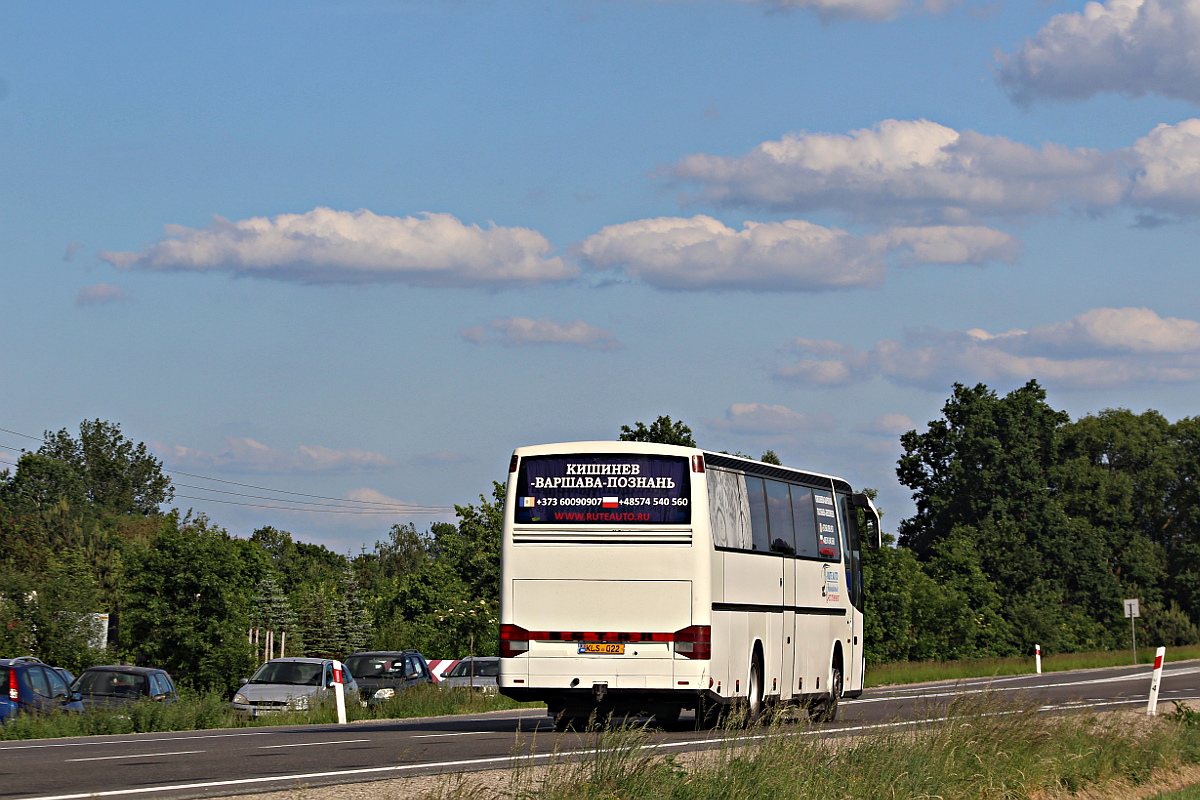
[339, 691]
[1133, 612]
[1152, 705]
[1037, 654]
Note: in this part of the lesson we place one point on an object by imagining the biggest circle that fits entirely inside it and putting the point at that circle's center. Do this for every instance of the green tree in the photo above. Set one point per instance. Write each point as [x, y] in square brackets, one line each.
[116, 474]
[986, 467]
[663, 430]
[770, 457]
[188, 602]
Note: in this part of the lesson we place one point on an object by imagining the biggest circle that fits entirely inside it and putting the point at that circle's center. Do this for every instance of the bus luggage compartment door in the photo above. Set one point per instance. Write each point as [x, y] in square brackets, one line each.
[614, 612]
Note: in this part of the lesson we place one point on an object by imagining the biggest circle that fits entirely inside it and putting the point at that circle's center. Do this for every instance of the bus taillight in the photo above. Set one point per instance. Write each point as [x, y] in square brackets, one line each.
[694, 642]
[512, 464]
[514, 640]
[698, 463]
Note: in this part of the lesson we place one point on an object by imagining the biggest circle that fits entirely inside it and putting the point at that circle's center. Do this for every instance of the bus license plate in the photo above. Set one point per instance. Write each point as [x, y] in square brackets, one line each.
[602, 648]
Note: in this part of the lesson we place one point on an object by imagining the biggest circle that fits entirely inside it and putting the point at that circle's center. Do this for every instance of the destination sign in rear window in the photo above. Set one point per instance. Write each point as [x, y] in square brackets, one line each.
[600, 489]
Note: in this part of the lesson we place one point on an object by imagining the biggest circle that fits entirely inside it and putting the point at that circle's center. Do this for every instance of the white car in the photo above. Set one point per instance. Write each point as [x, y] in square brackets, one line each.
[481, 673]
[290, 684]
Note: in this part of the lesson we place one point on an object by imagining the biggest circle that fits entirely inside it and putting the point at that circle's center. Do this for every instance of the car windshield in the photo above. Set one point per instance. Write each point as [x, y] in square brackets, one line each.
[482, 669]
[375, 666]
[112, 684]
[289, 672]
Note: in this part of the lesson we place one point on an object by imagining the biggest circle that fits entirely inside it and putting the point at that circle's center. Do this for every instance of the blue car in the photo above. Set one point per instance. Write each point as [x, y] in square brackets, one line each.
[28, 685]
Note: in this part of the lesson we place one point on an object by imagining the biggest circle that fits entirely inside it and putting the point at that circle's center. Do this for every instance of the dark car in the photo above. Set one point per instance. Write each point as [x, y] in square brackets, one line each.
[28, 685]
[120, 685]
[383, 673]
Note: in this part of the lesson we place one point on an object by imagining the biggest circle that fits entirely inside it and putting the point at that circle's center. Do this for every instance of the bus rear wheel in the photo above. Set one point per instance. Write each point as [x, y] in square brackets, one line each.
[754, 696]
[826, 709]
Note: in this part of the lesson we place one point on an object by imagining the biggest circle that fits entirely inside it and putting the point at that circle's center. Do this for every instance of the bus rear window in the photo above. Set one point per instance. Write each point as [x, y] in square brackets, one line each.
[603, 489]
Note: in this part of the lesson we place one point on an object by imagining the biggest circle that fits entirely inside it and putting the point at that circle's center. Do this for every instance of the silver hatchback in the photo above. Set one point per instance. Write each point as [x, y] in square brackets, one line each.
[290, 684]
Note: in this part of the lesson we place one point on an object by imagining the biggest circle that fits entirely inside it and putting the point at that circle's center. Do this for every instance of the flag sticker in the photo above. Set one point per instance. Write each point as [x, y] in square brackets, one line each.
[527, 502]
[609, 502]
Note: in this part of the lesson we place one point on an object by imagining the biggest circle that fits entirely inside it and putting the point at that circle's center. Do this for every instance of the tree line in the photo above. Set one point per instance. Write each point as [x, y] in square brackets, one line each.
[1032, 528]
[81, 532]
[1029, 528]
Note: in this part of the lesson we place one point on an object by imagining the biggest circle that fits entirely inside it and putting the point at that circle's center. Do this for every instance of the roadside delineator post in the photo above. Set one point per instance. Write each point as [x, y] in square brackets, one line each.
[1152, 706]
[339, 691]
[1037, 655]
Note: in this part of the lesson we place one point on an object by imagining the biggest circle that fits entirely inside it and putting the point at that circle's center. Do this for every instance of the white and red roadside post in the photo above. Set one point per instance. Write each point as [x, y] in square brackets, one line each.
[339, 691]
[1037, 655]
[1152, 705]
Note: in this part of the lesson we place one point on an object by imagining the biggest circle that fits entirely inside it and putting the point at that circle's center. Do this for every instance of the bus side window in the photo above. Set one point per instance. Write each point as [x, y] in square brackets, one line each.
[827, 529]
[806, 522]
[779, 512]
[758, 515]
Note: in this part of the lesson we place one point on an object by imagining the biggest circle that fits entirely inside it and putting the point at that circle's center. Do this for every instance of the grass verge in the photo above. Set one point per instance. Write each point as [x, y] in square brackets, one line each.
[203, 712]
[922, 671]
[984, 748]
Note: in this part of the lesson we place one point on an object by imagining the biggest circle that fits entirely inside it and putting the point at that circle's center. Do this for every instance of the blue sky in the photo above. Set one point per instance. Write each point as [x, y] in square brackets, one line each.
[363, 250]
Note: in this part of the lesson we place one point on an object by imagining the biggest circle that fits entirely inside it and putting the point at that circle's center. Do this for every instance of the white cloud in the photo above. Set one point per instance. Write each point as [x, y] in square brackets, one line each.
[889, 425]
[328, 246]
[1167, 168]
[99, 294]
[703, 253]
[955, 244]
[1132, 47]
[247, 455]
[759, 419]
[372, 497]
[870, 10]
[864, 10]
[521, 331]
[904, 171]
[908, 169]
[1103, 347]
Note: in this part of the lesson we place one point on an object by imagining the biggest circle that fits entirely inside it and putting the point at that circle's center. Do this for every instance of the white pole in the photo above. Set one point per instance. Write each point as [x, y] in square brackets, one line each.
[282, 643]
[1152, 706]
[1037, 654]
[339, 692]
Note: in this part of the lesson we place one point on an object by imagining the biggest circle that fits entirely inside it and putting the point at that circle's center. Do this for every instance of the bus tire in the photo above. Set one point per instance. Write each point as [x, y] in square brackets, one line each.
[754, 692]
[826, 709]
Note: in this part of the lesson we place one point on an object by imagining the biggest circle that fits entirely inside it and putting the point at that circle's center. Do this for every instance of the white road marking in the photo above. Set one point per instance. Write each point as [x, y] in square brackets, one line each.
[138, 755]
[309, 744]
[436, 735]
[138, 741]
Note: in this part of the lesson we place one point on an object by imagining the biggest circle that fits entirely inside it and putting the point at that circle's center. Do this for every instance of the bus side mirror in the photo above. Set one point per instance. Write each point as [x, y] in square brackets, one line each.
[873, 534]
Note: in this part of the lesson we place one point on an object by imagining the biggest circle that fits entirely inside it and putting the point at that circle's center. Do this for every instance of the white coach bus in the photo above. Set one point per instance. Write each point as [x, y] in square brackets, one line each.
[647, 579]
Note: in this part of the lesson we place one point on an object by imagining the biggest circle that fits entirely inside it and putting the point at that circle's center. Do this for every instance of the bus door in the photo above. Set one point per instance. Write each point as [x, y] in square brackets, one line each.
[783, 543]
[852, 564]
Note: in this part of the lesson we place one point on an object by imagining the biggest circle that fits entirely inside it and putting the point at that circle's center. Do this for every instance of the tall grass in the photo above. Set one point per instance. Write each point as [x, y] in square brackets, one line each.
[197, 712]
[983, 748]
[202, 712]
[922, 671]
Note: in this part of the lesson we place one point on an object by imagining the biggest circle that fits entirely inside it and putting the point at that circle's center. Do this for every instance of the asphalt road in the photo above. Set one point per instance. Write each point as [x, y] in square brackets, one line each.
[225, 762]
